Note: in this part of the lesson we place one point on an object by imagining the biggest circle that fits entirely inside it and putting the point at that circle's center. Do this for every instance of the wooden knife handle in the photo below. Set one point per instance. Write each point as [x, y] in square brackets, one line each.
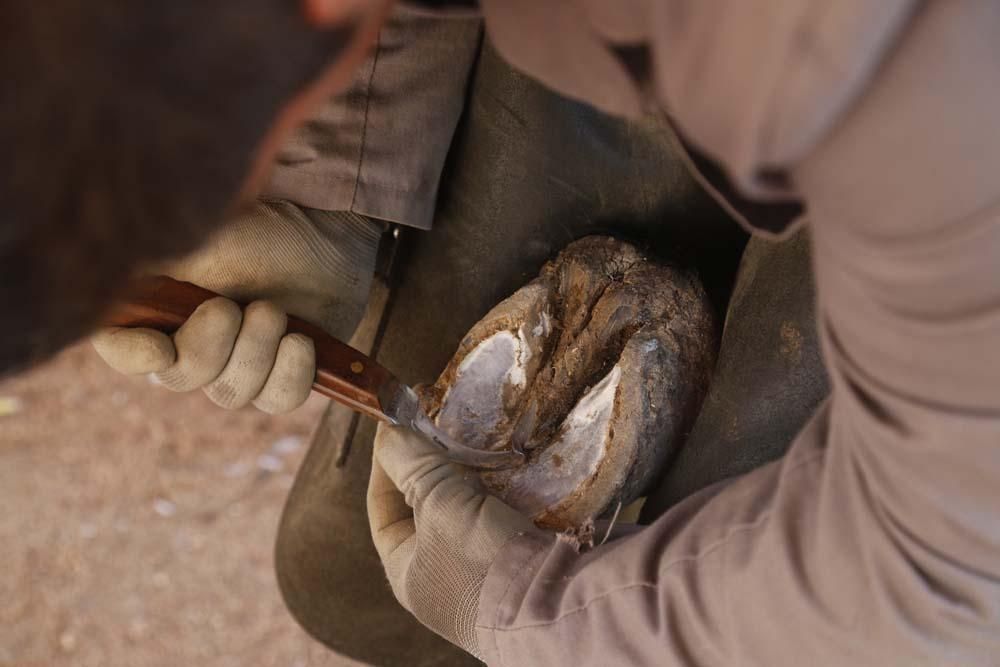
[342, 373]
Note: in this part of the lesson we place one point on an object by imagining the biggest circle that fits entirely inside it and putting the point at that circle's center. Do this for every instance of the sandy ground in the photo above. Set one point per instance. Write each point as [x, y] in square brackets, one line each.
[138, 525]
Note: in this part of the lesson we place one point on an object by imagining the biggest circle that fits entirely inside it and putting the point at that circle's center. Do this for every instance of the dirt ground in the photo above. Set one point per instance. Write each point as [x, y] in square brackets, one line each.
[138, 525]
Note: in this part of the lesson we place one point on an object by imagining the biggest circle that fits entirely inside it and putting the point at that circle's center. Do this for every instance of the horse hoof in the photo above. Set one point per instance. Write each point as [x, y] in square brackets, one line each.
[595, 369]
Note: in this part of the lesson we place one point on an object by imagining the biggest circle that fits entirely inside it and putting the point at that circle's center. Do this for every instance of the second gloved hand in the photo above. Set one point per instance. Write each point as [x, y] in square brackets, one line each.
[278, 259]
[437, 532]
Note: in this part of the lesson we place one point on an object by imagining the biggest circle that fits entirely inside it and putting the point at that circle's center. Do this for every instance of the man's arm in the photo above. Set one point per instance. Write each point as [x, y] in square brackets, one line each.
[874, 541]
[309, 247]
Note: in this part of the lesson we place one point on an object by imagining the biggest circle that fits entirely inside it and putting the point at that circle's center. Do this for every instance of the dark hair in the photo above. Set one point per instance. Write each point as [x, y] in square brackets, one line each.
[128, 128]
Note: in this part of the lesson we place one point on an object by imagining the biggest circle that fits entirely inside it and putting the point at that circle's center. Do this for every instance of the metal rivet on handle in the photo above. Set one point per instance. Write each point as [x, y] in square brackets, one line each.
[357, 367]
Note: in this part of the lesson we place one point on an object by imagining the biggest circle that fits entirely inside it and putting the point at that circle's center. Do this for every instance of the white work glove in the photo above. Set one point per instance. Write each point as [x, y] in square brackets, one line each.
[278, 259]
[436, 531]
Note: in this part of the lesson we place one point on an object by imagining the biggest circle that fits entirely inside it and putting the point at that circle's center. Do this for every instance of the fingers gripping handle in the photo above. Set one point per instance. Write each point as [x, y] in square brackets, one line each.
[342, 373]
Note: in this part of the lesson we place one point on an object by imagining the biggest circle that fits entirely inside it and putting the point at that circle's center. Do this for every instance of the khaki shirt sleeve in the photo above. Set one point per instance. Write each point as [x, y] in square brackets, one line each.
[379, 147]
[875, 540]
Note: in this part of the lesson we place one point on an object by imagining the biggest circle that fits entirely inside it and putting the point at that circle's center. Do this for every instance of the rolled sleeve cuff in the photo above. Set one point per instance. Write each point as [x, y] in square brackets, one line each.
[379, 148]
[511, 573]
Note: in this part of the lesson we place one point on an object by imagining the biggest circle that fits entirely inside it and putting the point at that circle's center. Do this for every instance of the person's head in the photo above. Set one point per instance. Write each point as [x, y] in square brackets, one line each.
[132, 129]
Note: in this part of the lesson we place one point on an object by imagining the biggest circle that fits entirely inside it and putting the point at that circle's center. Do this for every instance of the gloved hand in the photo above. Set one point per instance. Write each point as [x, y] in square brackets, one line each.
[436, 531]
[279, 259]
